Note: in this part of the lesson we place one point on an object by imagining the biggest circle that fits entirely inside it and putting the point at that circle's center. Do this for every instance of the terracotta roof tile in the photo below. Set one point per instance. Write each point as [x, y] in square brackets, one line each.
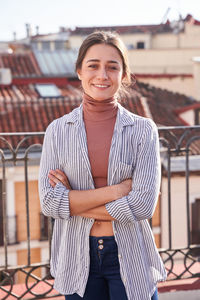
[163, 104]
[21, 65]
[23, 110]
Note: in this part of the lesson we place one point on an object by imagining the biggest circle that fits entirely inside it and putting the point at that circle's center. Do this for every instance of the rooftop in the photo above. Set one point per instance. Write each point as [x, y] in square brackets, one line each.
[21, 65]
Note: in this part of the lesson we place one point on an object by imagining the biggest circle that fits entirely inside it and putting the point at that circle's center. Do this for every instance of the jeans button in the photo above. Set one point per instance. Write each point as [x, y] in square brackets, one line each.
[100, 247]
[100, 241]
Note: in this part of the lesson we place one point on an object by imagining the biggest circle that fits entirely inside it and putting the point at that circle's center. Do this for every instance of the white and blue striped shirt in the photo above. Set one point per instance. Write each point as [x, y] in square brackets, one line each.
[134, 153]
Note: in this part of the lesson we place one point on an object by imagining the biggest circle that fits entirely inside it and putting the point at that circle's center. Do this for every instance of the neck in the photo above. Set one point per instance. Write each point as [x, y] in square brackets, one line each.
[96, 110]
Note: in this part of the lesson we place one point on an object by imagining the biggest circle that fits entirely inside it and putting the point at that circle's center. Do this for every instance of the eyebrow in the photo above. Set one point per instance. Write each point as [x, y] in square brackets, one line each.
[97, 60]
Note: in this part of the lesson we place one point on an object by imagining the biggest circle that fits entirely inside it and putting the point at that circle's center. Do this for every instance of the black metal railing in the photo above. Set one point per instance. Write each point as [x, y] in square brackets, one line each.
[180, 157]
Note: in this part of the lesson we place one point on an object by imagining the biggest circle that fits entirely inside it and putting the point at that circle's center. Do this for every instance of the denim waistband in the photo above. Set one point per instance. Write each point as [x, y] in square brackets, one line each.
[95, 238]
[108, 242]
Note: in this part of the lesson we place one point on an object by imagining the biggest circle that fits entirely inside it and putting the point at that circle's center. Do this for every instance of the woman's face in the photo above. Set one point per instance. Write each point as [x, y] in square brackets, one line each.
[101, 72]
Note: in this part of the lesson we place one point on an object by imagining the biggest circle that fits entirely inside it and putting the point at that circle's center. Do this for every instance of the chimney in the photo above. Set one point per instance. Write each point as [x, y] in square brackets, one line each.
[14, 36]
[196, 74]
[62, 29]
[37, 30]
[28, 30]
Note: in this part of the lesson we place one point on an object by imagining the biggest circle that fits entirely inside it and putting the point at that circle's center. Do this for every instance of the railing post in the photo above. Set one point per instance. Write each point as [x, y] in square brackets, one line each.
[5, 225]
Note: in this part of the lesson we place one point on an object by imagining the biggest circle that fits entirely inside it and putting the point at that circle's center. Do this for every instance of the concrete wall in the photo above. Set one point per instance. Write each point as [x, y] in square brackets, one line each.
[189, 117]
[178, 209]
[164, 61]
[179, 84]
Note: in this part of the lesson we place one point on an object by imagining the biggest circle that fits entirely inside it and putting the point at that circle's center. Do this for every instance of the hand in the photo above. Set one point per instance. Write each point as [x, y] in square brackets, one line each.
[56, 176]
[124, 187]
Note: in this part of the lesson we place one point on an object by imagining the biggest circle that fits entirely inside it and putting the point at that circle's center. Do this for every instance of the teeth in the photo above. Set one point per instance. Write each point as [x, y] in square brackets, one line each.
[101, 85]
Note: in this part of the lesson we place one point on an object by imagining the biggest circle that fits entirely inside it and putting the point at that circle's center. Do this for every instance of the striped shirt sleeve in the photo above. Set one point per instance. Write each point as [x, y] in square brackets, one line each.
[54, 201]
[140, 203]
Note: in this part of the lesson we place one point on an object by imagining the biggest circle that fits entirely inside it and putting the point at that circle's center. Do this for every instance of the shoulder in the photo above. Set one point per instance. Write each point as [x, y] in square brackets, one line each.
[136, 120]
[57, 124]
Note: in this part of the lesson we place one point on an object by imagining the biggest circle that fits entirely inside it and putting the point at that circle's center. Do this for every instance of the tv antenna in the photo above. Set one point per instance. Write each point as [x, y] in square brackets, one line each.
[165, 15]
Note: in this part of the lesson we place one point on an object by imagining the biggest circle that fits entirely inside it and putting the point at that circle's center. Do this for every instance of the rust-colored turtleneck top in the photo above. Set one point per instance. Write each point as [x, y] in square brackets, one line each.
[99, 118]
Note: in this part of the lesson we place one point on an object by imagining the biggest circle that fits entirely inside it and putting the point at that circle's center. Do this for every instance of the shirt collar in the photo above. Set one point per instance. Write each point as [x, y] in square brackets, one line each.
[124, 117]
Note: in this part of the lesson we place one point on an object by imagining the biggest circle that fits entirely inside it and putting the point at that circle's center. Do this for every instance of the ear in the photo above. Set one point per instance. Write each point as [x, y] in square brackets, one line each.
[79, 74]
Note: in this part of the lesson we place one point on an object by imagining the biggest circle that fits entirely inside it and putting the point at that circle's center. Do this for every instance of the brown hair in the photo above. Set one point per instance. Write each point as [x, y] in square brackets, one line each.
[107, 38]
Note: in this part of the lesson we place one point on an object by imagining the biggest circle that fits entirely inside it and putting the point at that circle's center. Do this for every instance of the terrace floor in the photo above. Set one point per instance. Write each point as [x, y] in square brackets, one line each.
[166, 290]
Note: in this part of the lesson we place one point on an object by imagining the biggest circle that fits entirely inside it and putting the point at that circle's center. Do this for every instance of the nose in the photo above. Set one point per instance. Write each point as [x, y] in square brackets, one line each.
[102, 74]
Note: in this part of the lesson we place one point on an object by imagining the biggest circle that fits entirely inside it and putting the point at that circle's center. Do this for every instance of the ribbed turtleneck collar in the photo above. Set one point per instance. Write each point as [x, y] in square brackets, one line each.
[94, 110]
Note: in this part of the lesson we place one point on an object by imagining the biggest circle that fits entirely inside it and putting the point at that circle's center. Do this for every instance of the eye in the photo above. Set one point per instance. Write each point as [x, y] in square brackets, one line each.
[113, 67]
[93, 66]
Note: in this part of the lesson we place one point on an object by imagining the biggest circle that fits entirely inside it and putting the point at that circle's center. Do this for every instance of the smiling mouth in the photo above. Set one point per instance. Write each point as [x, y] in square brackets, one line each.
[101, 85]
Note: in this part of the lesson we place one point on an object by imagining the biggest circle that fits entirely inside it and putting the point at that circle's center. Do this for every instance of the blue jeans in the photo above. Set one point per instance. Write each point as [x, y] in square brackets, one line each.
[104, 281]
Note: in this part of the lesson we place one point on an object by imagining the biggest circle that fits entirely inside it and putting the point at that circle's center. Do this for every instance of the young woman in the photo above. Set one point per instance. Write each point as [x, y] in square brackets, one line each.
[99, 179]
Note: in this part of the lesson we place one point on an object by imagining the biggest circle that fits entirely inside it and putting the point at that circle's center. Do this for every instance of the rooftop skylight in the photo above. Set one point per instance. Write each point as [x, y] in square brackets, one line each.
[48, 90]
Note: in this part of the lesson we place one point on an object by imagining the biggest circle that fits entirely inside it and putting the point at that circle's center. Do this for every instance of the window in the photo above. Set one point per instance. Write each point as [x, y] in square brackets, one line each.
[46, 45]
[43, 227]
[196, 222]
[10, 223]
[47, 90]
[46, 227]
[140, 45]
[34, 45]
[61, 45]
[197, 117]
[130, 46]
[1, 215]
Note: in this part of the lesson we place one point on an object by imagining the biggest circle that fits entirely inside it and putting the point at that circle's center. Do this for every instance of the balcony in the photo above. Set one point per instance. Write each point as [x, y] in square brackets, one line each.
[25, 234]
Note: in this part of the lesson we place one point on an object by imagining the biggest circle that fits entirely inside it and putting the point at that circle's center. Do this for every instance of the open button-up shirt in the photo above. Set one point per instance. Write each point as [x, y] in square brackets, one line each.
[134, 153]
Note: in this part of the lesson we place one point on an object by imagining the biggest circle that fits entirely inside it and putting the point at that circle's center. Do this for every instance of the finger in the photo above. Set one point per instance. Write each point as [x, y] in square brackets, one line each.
[56, 178]
[53, 178]
[57, 175]
[52, 183]
[65, 178]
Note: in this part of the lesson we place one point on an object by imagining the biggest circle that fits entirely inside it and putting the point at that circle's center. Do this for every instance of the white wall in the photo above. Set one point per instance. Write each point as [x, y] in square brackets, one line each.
[178, 209]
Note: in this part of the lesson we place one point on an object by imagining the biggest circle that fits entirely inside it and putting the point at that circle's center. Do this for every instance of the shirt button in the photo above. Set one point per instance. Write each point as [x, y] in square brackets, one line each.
[119, 256]
[100, 247]
[124, 280]
[100, 241]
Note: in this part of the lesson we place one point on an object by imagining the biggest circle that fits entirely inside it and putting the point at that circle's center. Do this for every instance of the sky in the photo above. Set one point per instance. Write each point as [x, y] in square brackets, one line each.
[49, 15]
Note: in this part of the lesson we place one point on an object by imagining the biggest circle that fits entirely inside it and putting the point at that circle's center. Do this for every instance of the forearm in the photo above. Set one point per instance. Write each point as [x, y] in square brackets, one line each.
[97, 213]
[83, 201]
